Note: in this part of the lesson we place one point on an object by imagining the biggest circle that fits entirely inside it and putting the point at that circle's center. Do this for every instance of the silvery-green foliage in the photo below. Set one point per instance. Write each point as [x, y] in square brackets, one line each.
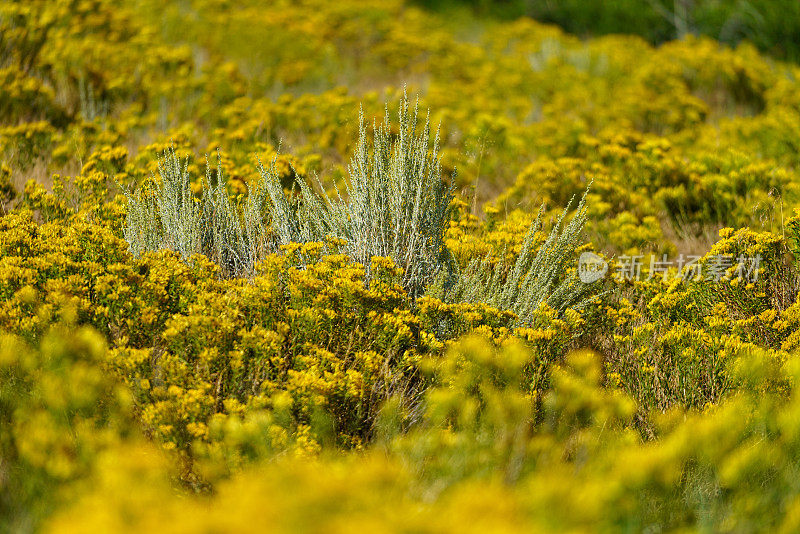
[535, 276]
[169, 216]
[395, 204]
[165, 215]
[177, 207]
[143, 226]
[235, 241]
[296, 218]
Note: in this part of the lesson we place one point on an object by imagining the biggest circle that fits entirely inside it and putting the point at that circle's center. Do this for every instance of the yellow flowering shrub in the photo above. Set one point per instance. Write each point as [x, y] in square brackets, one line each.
[59, 410]
[480, 461]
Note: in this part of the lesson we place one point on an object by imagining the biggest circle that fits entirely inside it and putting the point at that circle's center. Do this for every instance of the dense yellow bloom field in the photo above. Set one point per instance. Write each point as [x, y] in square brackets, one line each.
[155, 392]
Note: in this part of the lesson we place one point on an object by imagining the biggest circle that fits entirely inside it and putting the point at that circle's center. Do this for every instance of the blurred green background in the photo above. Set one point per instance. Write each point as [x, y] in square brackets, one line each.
[771, 25]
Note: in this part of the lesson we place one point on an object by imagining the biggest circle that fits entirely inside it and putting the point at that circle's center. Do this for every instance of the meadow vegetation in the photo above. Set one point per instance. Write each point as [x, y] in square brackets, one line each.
[314, 266]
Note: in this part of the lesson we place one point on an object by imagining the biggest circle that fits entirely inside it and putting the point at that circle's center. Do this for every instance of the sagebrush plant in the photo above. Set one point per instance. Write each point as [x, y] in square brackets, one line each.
[178, 210]
[396, 203]
[236, 238]
[169, 216]
[537, 274]
[166, 215]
